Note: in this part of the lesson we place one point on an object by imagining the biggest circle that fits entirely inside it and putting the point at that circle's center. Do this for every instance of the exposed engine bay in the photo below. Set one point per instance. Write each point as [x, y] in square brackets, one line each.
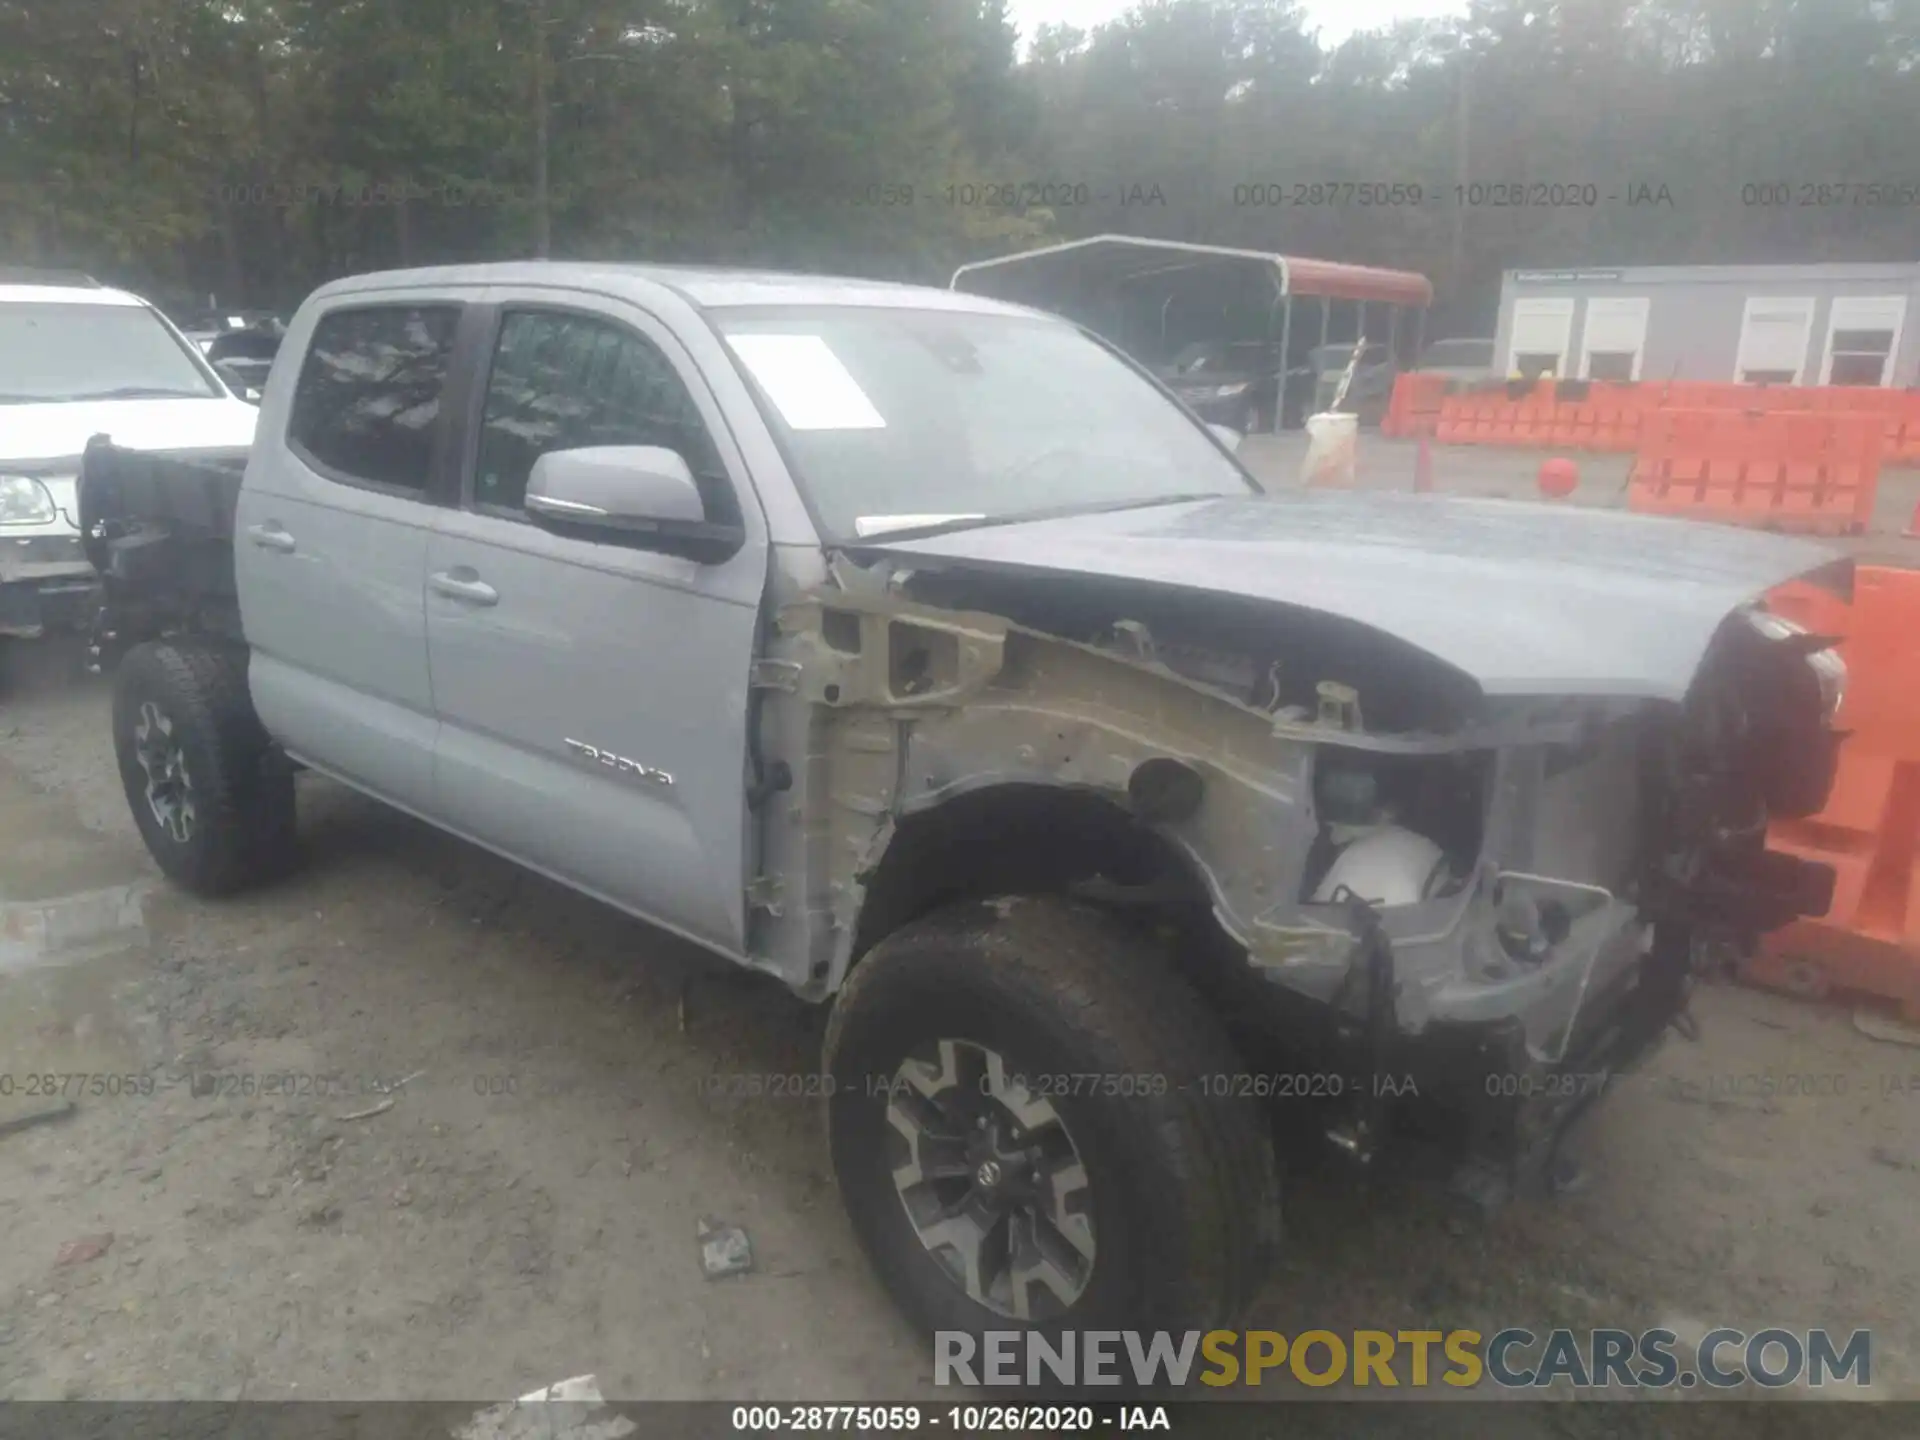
[1482, 892]
[1665, 808]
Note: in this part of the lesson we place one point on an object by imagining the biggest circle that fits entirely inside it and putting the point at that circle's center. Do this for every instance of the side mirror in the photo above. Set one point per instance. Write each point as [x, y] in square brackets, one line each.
[641, 496]
[1227, 436]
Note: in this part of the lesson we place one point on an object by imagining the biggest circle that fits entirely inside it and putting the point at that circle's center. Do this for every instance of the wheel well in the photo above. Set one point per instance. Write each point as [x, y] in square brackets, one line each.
[1020, 839]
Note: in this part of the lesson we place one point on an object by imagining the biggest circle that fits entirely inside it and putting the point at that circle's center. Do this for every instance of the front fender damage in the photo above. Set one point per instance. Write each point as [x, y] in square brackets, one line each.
[1532, 948]
[918, 706]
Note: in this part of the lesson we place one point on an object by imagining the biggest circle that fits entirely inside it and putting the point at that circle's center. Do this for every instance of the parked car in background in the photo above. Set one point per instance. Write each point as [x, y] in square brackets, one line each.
[203, 328]
[246, 356]
[78, 359]
[1227, 382]
[240, 344]
[1459, 359]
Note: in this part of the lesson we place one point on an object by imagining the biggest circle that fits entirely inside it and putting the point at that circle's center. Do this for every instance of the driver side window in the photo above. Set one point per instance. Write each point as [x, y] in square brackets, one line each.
[561, 381]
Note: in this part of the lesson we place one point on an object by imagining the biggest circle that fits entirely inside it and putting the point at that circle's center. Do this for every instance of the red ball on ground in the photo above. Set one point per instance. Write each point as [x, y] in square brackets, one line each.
[1559, 477]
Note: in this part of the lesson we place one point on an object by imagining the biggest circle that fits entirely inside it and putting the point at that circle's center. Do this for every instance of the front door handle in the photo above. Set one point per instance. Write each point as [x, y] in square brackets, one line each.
[271, 537]
[463, 584]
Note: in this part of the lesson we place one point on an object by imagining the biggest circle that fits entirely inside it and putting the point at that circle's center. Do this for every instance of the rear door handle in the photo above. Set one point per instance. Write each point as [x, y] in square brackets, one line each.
[463, 584]
[271, 537]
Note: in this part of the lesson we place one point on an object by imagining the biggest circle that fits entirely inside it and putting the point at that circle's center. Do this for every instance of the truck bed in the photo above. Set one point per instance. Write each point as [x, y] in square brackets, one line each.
[158, 527]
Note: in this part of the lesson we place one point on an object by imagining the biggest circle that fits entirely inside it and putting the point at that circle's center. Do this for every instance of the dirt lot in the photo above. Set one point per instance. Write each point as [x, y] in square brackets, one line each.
[524, 1207]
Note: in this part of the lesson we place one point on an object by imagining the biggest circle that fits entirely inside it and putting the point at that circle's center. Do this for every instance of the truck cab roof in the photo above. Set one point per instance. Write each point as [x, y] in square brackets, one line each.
[704, 287]
[36, 275]
[63, 290]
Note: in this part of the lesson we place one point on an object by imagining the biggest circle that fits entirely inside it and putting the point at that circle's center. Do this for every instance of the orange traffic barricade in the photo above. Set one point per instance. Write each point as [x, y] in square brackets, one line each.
[1503, 418]
[1611, 416]
[1906, 429]
[1575, 423]
[1600, 415]
[1805, 472]
[1414, 408]
[1621, 411]
[1897, 411]
[1868, 942]
[1466, 418]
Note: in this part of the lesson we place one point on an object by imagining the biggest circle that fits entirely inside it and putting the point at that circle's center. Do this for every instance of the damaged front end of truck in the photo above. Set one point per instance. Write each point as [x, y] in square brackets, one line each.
[1438, 805]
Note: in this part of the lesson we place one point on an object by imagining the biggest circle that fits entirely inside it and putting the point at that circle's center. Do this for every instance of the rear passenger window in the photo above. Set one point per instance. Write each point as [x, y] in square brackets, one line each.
[369, 393]
[565, 382]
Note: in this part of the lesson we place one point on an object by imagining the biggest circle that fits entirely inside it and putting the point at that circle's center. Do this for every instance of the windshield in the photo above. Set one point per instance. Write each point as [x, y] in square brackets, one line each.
[1459, 353]
[51, 350]
[917, 417]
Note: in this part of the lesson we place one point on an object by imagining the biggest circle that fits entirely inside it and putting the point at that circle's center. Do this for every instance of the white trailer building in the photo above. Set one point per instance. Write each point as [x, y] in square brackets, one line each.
[1826, 324]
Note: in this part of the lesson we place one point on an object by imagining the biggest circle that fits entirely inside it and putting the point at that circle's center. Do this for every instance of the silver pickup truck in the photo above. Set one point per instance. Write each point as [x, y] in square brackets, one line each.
[925, 654]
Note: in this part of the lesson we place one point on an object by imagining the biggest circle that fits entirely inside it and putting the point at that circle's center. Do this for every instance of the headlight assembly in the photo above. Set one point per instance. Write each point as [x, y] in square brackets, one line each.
[1832, 671]
[25, 501]
[1827, 666]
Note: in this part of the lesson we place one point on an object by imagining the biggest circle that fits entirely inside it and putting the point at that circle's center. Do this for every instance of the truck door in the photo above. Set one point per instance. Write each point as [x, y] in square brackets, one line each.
[330, 545]
[554, 658]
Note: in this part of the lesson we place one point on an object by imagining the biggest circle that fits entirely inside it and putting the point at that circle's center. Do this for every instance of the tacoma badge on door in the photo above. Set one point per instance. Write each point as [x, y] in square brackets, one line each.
[620, 763]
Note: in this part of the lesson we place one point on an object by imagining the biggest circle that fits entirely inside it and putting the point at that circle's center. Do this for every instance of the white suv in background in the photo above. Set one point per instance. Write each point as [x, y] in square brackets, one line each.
[78, 359]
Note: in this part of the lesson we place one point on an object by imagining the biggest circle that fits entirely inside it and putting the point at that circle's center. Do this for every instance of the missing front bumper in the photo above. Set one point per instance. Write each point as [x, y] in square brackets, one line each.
[60, 604]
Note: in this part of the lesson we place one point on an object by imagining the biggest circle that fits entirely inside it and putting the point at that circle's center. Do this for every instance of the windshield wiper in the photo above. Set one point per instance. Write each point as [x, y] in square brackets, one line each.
[1107, 507]
[1058, 512]
[867, 526]
[140, 392]
[866, 532]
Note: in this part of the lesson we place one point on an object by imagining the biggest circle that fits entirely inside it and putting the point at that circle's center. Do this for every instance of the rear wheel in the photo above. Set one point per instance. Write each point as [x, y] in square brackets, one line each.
[212, 797]
[1028, 1130]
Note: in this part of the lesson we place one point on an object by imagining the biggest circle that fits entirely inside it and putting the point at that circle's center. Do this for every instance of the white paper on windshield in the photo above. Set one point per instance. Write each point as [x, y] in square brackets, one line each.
[806, 382]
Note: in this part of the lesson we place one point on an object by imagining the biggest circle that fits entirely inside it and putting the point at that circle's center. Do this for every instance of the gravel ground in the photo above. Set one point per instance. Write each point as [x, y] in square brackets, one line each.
[524, 1206]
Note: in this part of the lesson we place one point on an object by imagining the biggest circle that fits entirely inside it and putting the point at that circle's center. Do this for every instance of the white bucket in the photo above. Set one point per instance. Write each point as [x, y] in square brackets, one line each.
[1332, 448]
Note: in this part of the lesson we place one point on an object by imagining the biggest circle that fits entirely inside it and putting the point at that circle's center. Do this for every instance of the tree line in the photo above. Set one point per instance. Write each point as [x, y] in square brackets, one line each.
[249, 149]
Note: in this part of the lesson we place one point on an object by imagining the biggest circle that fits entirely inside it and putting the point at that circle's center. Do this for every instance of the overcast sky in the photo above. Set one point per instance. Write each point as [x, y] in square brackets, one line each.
[1336, 19]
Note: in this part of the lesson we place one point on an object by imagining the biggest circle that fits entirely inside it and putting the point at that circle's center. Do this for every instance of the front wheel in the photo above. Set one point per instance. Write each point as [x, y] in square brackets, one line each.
[212, 798]
[1028, 1129]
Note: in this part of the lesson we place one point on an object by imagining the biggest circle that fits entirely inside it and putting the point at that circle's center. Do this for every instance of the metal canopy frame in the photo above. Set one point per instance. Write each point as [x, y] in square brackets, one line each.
[1080, 274]
[1122, 258]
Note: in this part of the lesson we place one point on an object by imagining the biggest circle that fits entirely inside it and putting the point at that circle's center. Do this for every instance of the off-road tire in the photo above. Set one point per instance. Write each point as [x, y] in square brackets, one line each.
[243, 830]
[1182, 1183]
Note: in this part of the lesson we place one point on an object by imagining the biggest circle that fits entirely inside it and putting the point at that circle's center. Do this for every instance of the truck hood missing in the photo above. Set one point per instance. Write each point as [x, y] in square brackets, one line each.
[1523, 599]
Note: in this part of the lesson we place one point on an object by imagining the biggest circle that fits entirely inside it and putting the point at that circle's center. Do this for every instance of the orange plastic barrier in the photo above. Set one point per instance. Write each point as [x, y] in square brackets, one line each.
[1869, 939]
[1467, 418]
[1898, 411]
[1414, 408]
[1813, 473]
[1546, 415]
[1609, 416]
[1497, 415]
[1606, 418]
